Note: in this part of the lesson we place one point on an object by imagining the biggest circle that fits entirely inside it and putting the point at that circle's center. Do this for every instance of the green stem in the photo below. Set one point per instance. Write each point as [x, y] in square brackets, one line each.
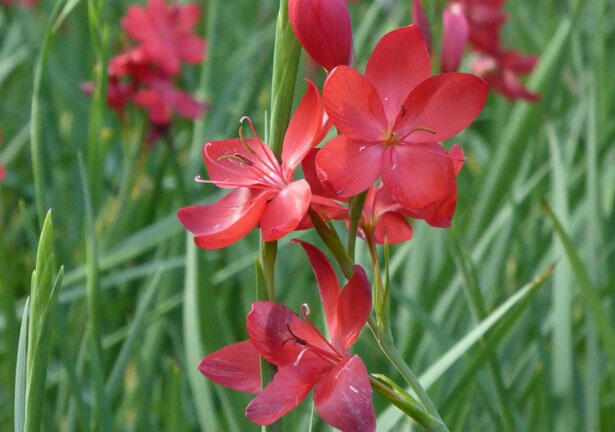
[35, 122]
[269, 251]
[410, 407]
[285, 63]
[385, 340]
[356, 208]
[100, 411]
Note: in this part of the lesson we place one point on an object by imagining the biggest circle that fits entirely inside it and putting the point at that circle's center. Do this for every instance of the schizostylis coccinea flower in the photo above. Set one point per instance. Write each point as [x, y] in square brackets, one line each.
[265, 192]
[390, 121]
[305, 359]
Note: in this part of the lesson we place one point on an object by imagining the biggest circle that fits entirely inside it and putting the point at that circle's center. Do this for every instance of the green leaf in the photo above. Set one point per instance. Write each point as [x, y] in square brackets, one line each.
[589, 293]
[20, 371]
[201, 388]
[389, 418]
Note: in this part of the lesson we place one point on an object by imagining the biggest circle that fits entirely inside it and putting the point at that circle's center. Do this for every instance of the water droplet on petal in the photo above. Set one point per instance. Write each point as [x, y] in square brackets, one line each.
[362, 148]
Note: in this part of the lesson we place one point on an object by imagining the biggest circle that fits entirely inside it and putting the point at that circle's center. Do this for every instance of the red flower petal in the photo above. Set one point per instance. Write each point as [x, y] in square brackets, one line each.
[394, 228]
[286, 210]
[418, 175]
[354, 105]
[303, 130]
[236, 366]
[439, 214]
[326, 279]
[517, 62]
[158, 109]
[323, 29]
[350, 167]
[231, 164]
[185, 104]
[445, 103]
[458, 157]
[268, 325]
[454, 38]
[223, 223]
[419, 19]
[191, 49]
[314, 176]
[343, 398]
[398, 63]
[290, 385]
[353, 308]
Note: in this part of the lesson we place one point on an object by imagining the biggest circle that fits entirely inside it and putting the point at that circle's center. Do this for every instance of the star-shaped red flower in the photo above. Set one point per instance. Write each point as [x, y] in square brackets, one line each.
[390, 121]
[165, 32]
[264, 192]
[305, 359]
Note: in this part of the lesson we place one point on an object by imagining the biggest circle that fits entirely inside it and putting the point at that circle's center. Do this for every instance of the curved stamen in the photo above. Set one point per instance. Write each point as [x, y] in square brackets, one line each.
[273, 162]
[305, 310]
[198, 179]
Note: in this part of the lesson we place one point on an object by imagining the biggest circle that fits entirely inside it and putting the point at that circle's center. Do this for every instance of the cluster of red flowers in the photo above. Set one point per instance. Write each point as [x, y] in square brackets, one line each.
[479, 23]
[144, 73]
[390, 121]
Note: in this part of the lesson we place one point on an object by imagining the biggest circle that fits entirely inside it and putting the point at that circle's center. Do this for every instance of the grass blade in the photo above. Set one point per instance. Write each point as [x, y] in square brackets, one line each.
[20, 372]
[562, 298]
[389, 418]
[201, 388]
[588, 291]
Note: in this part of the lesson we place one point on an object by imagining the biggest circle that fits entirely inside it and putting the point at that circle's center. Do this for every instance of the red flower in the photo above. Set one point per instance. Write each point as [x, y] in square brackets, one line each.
[161, 98]
[383, 219]
[264, 192]
[304, 357]
[420, 20]
[454, 38]
[323, 29]
[166, 33]
[391, 119]
[485, 19]
[502, 72]
[2, 173]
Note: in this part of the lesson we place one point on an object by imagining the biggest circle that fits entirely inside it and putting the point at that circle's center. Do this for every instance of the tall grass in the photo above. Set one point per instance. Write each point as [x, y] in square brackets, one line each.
[496, 348]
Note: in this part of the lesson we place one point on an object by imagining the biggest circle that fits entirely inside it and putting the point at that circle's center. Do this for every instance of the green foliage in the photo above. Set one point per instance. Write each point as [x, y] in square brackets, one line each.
[140, 305]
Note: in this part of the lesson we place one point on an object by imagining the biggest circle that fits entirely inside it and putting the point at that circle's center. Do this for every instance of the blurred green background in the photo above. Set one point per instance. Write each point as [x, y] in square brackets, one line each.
[547, 364]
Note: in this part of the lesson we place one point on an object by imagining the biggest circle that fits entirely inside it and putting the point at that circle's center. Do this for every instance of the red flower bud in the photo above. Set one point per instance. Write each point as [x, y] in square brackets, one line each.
[454, 38]
[323, 29]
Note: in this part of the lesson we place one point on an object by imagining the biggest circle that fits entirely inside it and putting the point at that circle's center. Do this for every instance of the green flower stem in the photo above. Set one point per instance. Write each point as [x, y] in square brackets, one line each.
[269, 252]
[385, 340]
[329, 236]
[285, 63]
[408, 406]
[38, 174]
[356, 208]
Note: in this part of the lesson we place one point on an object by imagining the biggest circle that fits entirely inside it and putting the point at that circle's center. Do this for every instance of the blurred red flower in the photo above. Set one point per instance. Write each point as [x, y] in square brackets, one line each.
[165, 33]
[485, 19]
[2, 173]
[264, 191]
[390, 121]
[304, 357]
[144, 74]
[502, 73]
[454, 38]
[323, 28]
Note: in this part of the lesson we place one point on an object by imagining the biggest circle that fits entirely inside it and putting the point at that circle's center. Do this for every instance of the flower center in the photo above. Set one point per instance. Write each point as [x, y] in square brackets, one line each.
[326, 351]
[391, 138]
